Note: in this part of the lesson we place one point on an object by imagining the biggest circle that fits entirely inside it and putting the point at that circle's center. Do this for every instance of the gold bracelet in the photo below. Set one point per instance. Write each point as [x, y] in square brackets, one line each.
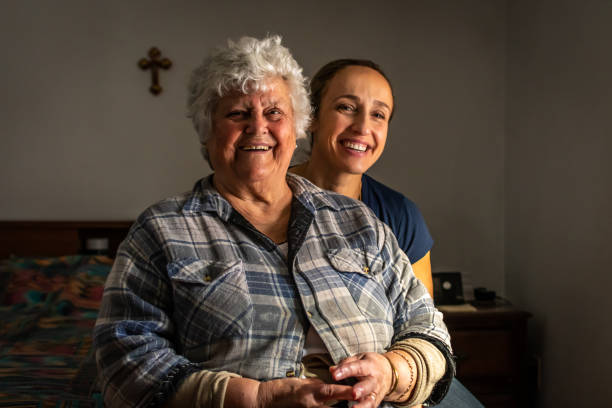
[394, 377]
[406, 393]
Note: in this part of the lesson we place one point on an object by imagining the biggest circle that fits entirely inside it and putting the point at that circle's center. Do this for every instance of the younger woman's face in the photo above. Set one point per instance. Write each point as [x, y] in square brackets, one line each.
[350, 129]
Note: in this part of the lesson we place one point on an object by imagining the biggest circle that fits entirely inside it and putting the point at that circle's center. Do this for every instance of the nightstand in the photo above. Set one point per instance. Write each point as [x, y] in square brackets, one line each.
[490, 346]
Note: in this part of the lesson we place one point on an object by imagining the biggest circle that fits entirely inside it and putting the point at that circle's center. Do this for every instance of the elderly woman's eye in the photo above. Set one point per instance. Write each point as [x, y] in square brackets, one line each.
[343, 107]
[235, 114]
[274, 113]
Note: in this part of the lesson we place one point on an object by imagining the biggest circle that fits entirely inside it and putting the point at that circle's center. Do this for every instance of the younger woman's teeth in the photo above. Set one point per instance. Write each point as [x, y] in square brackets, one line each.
[356, 146]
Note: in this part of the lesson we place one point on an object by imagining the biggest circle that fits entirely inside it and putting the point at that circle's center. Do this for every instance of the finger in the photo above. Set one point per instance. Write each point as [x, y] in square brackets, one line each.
[313, 380]
[358, 368]
[327, 392]
[365, 386]
[370, 400]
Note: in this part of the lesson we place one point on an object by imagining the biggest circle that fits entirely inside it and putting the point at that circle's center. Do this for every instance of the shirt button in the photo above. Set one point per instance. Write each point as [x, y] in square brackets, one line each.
[366, 269]
[309, 314]
[207, 278]
[290, 373]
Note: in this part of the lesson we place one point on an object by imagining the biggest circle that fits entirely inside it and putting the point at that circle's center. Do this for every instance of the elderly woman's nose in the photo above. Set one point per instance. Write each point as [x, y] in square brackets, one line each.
[256, 123]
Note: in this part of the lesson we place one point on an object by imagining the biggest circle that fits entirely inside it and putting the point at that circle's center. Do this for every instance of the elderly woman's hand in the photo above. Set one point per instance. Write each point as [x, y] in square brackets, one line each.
[300, 393]
[373, 374]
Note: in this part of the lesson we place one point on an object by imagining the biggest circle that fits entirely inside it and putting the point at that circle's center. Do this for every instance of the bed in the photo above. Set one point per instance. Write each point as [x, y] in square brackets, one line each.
[51, 282]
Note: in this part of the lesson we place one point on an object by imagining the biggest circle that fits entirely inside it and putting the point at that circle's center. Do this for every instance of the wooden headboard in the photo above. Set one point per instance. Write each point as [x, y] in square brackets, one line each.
[54, 238]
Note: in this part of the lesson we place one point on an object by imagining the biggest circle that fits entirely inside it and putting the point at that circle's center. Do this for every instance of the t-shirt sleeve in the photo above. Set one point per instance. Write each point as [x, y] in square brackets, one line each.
[413, 234]
[399, 213]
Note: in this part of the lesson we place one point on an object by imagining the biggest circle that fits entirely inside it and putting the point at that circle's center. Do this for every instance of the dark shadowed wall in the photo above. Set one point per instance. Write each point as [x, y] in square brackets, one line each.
[559, 191]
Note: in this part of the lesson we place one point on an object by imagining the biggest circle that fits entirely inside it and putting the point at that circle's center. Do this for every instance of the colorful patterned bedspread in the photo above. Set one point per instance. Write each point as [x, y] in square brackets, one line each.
[48, 307]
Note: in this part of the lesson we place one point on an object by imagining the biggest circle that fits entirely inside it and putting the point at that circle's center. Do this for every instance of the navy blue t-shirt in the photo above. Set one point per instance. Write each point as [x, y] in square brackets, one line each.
[399, 213]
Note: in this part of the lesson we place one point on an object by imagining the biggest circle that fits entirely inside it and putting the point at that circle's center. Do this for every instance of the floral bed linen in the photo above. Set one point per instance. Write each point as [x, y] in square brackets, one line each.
[48, 307]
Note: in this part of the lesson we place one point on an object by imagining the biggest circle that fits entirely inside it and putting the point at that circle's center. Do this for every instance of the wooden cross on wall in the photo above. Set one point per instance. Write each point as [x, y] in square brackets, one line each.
[154, 63]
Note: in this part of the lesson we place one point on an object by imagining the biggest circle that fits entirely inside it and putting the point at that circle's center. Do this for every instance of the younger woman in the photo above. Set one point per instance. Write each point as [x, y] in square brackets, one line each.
[352, 103]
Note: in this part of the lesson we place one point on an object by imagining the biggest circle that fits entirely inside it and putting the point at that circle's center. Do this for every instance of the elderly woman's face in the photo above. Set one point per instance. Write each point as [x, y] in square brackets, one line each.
[253, 136]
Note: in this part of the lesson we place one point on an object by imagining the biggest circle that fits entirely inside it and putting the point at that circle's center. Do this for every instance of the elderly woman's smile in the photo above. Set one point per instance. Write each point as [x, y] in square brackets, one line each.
[253, 135]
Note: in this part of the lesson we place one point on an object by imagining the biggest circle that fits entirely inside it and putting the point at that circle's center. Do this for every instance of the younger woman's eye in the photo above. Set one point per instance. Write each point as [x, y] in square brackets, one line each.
[379, 115]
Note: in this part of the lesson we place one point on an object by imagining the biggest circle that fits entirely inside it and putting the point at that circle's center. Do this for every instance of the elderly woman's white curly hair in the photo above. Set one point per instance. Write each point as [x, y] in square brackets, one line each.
[245, 65]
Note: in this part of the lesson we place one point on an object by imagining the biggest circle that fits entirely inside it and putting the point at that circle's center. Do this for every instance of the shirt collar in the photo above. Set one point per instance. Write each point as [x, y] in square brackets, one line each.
[205, 198]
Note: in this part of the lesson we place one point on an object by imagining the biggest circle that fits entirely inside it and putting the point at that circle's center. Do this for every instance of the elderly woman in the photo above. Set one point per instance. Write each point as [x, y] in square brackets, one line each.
[256, 288]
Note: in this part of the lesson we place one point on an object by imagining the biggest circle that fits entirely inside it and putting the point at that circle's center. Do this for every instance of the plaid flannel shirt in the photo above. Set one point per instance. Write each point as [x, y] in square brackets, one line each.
[196, 287]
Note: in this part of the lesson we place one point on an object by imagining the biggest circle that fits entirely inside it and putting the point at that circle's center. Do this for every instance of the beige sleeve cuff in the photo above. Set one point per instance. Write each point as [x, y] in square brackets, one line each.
[203, 389]
[430, 368]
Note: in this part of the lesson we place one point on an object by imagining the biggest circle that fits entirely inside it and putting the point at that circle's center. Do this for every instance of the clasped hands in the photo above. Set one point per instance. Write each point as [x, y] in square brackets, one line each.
[372, 371]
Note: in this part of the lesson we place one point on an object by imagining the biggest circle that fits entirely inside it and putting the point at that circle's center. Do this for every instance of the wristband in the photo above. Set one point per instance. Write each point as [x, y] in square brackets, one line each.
[406, 394]
[394, 377]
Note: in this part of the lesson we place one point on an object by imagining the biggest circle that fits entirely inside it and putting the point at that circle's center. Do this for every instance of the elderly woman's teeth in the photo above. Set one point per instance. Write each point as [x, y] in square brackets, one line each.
[356, 146]
[256, 148]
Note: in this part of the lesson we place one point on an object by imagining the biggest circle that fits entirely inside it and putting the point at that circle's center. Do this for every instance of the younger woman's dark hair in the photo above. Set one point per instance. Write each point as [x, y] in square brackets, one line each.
[328, 71]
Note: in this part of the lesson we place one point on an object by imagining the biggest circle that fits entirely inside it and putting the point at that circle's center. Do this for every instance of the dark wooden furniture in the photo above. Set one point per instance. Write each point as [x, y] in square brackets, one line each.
[54, 238]
[490, 345]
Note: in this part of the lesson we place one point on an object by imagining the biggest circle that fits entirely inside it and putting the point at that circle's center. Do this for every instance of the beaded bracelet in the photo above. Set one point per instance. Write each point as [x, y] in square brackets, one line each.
[410, 370]
[394, 375]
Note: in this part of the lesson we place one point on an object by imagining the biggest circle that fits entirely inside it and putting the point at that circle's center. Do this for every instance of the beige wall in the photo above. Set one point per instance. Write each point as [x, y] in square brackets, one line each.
[83, 138]
[559, 191]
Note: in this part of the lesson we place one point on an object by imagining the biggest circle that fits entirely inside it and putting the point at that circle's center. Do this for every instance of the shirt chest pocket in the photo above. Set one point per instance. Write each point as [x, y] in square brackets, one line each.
[361, 271]
[211, 299]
